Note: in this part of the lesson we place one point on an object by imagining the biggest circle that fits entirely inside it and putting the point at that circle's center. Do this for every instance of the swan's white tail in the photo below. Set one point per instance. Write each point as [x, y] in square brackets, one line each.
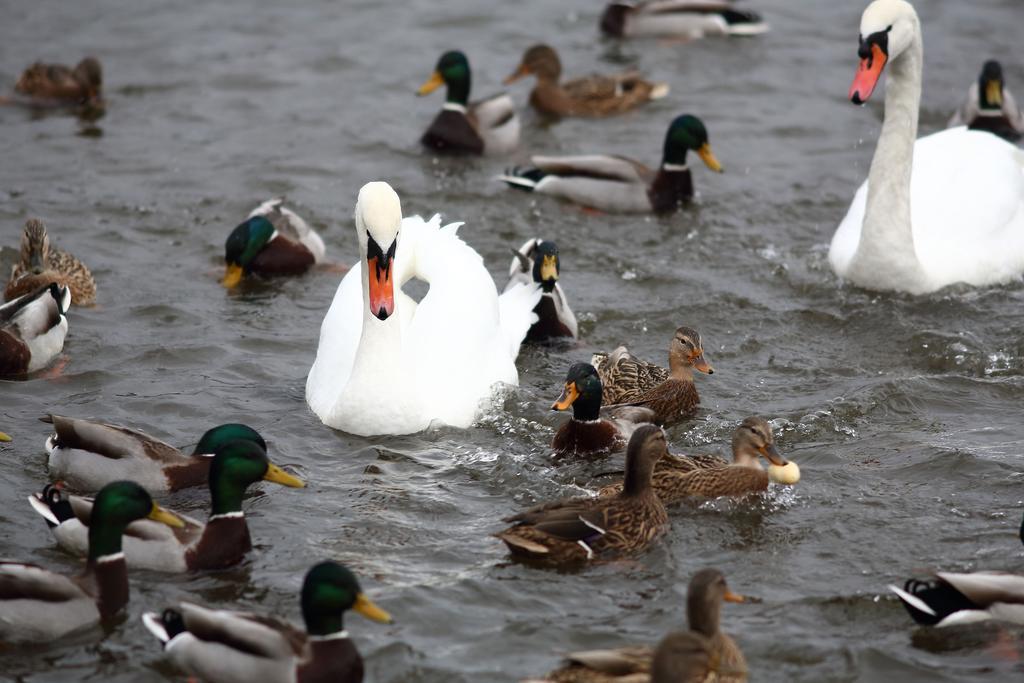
[515, 307]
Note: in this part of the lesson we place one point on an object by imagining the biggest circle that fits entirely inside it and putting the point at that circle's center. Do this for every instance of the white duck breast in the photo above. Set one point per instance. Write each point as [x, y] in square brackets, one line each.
[38, 320]
[388, 365]
[520, 272]
[292, 226]
[948, 209]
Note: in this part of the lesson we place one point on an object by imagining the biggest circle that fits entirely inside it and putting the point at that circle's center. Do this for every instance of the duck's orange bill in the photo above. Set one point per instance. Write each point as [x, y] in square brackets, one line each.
[382, 291]
[733, 597]
[569, 395]
[868, 73]
[701, 364]
[521, 71]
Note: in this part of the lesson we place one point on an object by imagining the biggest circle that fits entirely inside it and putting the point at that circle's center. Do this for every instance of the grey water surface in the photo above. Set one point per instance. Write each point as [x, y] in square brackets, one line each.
[904, 413]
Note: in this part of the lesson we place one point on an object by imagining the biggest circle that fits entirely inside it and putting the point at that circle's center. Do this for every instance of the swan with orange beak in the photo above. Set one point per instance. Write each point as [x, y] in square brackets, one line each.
[387, 364]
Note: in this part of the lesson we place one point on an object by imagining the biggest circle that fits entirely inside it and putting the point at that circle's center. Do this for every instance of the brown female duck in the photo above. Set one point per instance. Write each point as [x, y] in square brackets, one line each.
[40, 264]
[679, 477]
[580, 529]
[672, 395]
[56, 83]
[681, 657]
[589, 96]
[587, 433]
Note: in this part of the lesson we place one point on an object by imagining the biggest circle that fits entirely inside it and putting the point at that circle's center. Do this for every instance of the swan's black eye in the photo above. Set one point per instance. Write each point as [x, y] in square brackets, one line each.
[888, 29]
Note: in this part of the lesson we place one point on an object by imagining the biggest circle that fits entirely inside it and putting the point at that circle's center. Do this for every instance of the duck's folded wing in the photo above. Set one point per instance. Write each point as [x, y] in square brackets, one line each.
[1012, 112]
[111, 441]
[257, 635]
[19, 581]
[493, 111]
[987, 588]
[615, 662]
[598, 166]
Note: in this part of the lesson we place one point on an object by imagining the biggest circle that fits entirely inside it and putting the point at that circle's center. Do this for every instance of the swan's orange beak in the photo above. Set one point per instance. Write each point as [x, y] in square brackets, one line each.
[868, 73]
[382, 290]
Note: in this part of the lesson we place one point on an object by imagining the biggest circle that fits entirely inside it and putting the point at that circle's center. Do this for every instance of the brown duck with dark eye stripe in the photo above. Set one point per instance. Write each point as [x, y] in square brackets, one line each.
[588, 96]
[40, 264]
[580, 529]
[672, 395]
[678, 477]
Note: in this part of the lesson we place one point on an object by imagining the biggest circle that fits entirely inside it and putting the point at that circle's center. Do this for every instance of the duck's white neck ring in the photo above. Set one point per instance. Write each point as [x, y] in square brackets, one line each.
[675, 167]
[337, 635]
[235, 514]
[454, 106]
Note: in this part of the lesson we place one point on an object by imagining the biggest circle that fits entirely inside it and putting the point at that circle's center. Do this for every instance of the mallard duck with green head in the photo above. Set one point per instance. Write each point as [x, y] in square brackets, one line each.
[37, 605]
[538, 262]
[582, 529]
[87, 455]
[671, 395]
[683, 657]
[595, 96]
[488, 126]
[990, 106]
[40, 264]
[619, 184]
[273, 241]
[222, 542]
[679, 477]
[587, 433]
[236, 647]
[32, 330]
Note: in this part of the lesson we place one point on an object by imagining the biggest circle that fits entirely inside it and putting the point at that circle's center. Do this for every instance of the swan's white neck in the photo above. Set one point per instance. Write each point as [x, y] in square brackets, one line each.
[885, 254]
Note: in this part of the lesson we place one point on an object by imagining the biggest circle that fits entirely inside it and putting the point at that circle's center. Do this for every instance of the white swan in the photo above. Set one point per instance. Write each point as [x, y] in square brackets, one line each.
[947, 209]
[389, 365]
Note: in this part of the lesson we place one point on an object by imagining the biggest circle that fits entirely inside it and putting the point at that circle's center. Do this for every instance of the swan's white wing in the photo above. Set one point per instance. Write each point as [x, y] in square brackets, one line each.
[967, 208]
[516, 306]
[339, 339]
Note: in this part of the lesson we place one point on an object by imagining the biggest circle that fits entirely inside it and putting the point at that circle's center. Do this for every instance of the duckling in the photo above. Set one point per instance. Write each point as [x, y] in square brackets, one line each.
[587, 433]
[236, 647]
[588, 96]
[678, 477]
[37, 605]
[86, 455]
[272, 241]
[46, 83]
[222, 542]
[952, 599]
[488, 126]
[990, 106]
[620, 184]
[40, 265]
[672, 395]
[580, 529]
[537, 261]
[683, 19]
[681, 657]
[32, 330]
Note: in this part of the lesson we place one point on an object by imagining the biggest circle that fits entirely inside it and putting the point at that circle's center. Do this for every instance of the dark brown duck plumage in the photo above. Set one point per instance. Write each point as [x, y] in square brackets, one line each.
[82, 84]
[595, 95]
[678, 477]
[672, 395]
[580, 529]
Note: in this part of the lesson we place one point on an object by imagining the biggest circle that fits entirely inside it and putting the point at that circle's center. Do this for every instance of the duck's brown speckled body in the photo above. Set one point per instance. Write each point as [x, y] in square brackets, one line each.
[580, 529]
[671, 395]
[56, 83]
[676, 478]
[40, 264]
[594, 96]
